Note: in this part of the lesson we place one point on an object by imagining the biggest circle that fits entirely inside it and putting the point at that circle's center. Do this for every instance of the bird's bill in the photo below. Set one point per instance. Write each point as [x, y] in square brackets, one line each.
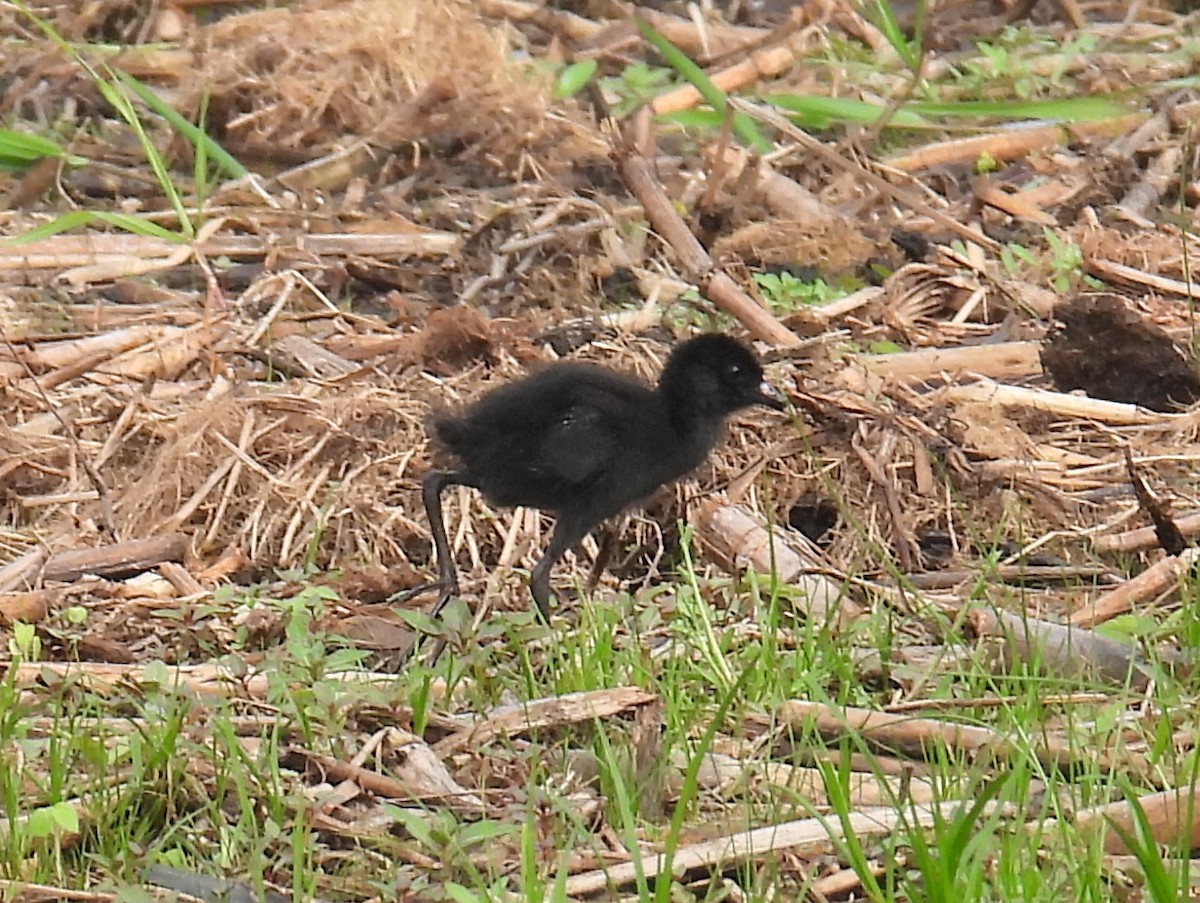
[770, 397]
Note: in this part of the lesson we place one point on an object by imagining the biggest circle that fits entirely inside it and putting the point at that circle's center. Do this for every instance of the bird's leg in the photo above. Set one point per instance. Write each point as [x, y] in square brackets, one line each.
[568, 532]
[447, 582]
[608, 546]
[431, 493]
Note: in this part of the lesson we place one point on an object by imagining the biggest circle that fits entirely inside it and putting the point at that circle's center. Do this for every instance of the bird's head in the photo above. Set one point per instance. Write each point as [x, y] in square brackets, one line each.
[715, 375]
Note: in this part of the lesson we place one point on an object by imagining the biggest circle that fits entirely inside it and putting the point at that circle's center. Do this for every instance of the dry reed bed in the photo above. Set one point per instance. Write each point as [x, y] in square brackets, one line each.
[243, 423]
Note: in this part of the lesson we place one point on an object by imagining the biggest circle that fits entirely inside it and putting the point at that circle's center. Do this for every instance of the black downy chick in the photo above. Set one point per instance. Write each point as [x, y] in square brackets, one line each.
[585, 443]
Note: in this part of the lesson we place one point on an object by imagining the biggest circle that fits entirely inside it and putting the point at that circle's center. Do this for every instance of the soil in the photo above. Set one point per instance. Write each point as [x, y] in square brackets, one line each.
[1109, 350]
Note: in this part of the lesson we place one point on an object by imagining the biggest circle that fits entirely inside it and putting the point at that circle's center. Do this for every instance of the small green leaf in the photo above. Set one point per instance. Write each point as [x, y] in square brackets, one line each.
[157, 672]
[415, 824]
[24, 642]
[40, 823]
[482, 831]
[1127, 629]
[75, 614]
[65, 816]
[421, 622]
[573, 78]
[46, 821]
[986, 163]
[460, 894]
[20, 150]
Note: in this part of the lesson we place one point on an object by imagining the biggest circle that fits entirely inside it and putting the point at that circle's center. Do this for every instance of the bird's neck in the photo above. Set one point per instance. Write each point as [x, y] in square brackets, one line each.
[688, 414]
[689, 422]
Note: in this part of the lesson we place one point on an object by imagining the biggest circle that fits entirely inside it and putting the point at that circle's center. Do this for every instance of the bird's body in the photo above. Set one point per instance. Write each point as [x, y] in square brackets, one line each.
[584, 443]
[591, 433]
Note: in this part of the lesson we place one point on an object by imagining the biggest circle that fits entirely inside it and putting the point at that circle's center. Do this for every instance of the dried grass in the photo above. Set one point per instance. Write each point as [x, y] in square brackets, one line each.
[307, 77]
[325, 472]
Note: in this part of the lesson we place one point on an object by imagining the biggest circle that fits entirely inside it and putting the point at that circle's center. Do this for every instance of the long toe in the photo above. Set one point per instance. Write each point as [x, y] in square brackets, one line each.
[405, 596]
[445, 594]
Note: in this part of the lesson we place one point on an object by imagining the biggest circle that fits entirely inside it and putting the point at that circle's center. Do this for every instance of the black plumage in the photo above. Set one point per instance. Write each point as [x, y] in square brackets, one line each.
[584, 442]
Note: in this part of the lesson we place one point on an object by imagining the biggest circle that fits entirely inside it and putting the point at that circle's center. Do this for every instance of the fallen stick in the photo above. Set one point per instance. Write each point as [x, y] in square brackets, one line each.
[1064, 650]
[1173, 816]
[740, 540]
[1004, 360]
[1058, 403]
[1144, 538]
[806, 834]
[22, 571]
[1159, 577]
[915, 737]
[553, 711]
[637, 170]
[121, 559]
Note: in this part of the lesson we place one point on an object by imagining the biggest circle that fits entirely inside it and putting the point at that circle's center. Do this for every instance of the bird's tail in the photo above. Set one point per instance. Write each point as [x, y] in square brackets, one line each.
[448, 431]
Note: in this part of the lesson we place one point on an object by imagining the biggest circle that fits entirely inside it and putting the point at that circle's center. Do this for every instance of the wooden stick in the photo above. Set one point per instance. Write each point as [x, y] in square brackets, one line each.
[740, 539]
[1144, 538]
[637, 170]
[1064, 650]
[1161, 576]
[914, 736]
[808, 834]
[119, 559]
[1173, 815]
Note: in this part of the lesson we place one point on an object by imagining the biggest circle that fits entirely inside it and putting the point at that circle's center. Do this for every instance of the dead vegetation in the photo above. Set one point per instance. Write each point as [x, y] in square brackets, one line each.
[428, 222]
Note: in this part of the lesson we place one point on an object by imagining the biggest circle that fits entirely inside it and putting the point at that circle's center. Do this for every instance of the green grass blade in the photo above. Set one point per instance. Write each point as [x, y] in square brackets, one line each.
[139, 226]
[1160, 888]
[574, 77]
[1071, 109]
[835, 779]
[885, 19]
[743, 126]
[814, 111]
[623, 803]
[817, 112]
[957, 836]
[78, 218]
[223, 160]
[20, 150]
[113, 91]
[691, 787]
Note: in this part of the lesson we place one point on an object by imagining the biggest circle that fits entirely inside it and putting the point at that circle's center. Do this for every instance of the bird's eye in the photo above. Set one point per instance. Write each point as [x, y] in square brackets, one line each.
[734, 369]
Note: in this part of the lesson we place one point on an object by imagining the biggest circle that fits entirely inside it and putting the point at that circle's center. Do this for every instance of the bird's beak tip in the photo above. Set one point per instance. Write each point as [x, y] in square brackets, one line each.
[771, 397]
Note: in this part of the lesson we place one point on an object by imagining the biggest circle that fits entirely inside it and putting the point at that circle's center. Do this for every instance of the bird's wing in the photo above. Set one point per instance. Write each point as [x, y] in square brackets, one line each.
[579, 445]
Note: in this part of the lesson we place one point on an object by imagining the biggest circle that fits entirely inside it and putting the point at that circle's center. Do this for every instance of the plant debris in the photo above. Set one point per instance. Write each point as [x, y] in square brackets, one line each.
[1108, 350]
[214, 426]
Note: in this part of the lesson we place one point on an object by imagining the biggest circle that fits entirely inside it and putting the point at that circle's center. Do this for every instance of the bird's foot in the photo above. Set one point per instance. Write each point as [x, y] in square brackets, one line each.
[562, 603]
[407, 595]
[446, 591]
